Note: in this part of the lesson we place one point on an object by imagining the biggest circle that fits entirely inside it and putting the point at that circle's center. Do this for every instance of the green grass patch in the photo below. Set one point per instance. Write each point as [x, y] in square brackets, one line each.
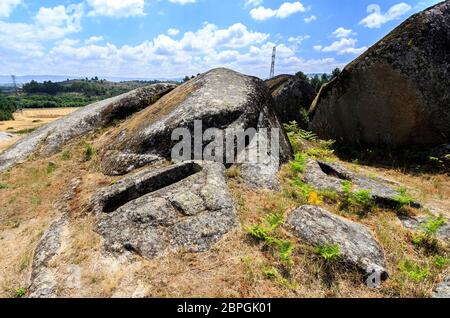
[4, 186]
[330, 253]
[403, 198]
[20, 293]
[413, 271]
[88, 152]
[298, 165]
[51, 167]
[66, 155]
[266, 232]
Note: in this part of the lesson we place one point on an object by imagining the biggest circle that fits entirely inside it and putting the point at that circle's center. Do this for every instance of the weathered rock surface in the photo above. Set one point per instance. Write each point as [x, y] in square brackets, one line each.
[414, 223]
[291, 94]
[397, 92]
[330, 176]
[357, 246]
[50, 138]
[186, 206]
[443, 289]
[5, 136]
[221, 99]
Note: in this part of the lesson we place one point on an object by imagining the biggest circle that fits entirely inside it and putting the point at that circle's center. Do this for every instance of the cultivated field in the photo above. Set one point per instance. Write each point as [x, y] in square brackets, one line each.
[29, 119]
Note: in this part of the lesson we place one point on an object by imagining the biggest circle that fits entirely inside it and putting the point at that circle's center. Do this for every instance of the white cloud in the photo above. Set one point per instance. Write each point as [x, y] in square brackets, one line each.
[116, 8]
[173, 31]
[7, 6]
[234, 47]
[94, 39]
[317, 47]
[342, 32]
[299, 39]
[310, 19]
[253, 3]
[344, 46]
[183, 2]
[50, 24]
[376, 18]
[285, 10]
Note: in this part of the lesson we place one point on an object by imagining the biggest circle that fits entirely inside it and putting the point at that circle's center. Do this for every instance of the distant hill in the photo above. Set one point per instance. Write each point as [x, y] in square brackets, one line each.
[6, 79]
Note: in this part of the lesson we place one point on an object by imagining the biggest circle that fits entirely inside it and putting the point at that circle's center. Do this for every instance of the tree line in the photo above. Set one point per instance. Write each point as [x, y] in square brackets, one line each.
[318, 80]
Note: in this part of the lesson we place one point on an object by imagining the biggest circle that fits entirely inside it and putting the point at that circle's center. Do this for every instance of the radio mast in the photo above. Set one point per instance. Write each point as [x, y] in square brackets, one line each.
[13, 77]
[272, 68]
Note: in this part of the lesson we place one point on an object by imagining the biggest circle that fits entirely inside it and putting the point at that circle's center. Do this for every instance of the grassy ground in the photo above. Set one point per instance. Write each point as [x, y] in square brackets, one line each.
[239, 265]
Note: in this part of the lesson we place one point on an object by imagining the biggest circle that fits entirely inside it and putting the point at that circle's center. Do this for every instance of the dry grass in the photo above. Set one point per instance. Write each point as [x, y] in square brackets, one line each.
[238, 266]
[34, 118]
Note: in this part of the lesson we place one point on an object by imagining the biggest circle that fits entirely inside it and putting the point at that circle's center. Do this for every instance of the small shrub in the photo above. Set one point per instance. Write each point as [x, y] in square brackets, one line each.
[403, 199]
[330, 195]
[413, 271]
[4, 186]
[428, 230]
[285, 250]
[362, 198]
[270, 272]
[20, 293]
[258, 232]
[298, 165]
[295, 132]
[329, 253]
[51, 167]
[88, 152]
[319, 153]
[314, 199]
[274, 220]
[432, 225]
[347, 187]
[302, 188]
[264, 232]
[440, 261]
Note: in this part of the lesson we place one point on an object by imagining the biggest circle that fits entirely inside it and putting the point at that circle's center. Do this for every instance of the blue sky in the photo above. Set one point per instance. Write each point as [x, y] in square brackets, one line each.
[173, 38]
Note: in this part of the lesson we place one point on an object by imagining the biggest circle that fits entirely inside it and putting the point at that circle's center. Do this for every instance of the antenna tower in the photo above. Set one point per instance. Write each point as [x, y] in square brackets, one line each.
[13, 77]
[272, 68]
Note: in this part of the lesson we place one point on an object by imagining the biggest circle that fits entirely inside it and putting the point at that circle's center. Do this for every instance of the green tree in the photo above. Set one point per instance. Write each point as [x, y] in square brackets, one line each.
[336, 72]
[302, 75]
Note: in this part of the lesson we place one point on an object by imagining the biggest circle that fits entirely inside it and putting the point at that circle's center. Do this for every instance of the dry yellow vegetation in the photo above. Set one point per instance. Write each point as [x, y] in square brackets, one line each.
[33, 118]
[238, 266]
[29, 119]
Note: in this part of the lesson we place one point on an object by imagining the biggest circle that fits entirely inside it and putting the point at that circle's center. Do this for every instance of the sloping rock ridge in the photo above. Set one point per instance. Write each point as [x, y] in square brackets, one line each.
[331, 176]
[50, 138]
[396, 93]
[357, 246]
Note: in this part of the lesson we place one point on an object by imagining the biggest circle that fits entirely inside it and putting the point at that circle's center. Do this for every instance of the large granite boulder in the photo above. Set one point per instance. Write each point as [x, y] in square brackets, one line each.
[186, 206]
[220, 99]
[357, 246]
[397, 92]
[292, 95]
[50, 138]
